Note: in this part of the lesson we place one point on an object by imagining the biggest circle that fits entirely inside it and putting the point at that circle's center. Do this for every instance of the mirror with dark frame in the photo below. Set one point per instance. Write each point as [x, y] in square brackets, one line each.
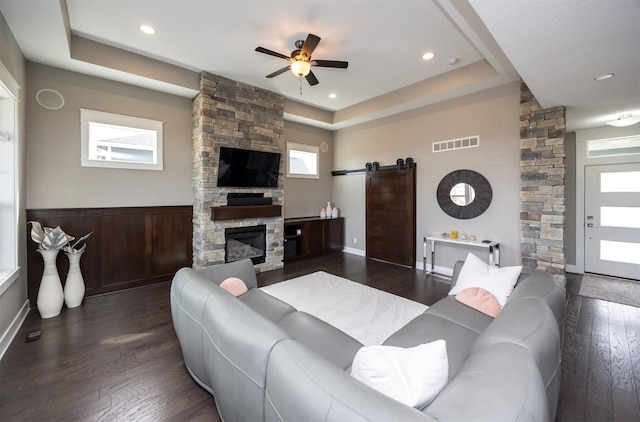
[464, 194]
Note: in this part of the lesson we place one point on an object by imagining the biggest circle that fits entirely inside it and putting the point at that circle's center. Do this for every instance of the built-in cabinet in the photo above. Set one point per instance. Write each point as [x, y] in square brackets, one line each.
[312, 236]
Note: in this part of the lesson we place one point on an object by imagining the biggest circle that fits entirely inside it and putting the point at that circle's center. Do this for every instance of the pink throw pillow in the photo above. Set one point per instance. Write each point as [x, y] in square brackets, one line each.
[234, 285]
[481, 300]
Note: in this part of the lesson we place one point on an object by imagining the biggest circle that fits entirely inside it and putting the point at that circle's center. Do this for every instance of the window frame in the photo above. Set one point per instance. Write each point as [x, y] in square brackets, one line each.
[306, 149]
[91, 116]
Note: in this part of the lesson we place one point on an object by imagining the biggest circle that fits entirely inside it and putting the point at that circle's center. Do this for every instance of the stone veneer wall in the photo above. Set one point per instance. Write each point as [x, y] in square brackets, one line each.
[237, 115]
[542, 186]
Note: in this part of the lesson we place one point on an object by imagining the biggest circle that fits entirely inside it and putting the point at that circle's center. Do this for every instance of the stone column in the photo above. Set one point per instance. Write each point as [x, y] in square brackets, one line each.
[233, 114]
[542, 183]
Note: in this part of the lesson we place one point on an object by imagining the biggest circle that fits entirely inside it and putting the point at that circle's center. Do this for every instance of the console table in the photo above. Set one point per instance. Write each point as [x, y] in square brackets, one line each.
[494, 249]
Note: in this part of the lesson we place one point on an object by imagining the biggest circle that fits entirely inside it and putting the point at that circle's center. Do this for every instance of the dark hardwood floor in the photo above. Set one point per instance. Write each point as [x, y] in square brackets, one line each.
[116, 358]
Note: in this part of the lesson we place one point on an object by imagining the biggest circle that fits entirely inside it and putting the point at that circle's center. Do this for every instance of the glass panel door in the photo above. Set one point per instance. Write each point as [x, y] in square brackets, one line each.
[612, 220]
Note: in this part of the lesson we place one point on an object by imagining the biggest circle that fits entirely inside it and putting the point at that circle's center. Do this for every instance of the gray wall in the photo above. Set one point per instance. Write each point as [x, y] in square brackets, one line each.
[13, 298]
[305, 197]
[493, 115]
[55, 178]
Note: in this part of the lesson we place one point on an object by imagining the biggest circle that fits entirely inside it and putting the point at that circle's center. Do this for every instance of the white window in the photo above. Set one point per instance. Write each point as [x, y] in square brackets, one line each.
[124, 142]
[613, 147]
[302, 161]
[9, 181]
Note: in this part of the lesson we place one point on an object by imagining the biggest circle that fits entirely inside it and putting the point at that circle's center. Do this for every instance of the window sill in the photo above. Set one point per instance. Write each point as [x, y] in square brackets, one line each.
[7, 277]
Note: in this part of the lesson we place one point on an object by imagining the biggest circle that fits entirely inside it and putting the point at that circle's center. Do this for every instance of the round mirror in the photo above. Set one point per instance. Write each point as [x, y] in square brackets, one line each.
[462, 194]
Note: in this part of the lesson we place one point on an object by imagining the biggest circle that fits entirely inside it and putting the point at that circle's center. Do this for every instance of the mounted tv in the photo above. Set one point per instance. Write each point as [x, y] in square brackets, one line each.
[245, 168]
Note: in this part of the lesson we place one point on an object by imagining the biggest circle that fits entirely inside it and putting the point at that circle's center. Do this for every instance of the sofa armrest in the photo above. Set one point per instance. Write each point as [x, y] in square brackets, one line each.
[456, 272]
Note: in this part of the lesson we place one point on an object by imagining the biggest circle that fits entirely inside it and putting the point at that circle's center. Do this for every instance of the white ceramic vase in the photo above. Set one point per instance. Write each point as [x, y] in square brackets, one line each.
[329, 210]
[50, 293]
[74, 285]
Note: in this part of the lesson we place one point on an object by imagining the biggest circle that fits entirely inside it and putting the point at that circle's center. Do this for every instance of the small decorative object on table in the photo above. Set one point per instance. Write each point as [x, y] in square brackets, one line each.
[334, 213]
[323, 213]
[454, 234]
[329, 209]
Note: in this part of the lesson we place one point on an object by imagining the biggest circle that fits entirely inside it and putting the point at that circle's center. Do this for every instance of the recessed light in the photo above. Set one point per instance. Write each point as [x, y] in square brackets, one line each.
[332, 95]
[604, 76]
[454, 61]
[428, 55]
[148, 29]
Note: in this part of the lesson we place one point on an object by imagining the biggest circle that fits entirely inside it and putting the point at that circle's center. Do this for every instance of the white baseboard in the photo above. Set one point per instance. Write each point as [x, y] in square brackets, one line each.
[13, 328]
[354, 251]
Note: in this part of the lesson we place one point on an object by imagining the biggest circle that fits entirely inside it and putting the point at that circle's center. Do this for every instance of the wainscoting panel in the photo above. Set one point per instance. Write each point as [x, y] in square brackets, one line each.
[130, 246]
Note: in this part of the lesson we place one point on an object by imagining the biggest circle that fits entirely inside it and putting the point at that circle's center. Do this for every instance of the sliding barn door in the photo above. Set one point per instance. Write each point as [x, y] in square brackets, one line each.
[391, 216]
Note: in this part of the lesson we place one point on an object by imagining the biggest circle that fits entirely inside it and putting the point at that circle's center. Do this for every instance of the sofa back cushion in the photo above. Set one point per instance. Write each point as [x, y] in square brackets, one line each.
[236, 350]
[498, 383]
[242, 269]
[304, 386]
[529, 323]
[225, 343]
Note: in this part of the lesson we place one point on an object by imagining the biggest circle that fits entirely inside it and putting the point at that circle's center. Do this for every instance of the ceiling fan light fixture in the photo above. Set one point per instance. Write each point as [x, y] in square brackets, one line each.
[300, 68]
[624, 120]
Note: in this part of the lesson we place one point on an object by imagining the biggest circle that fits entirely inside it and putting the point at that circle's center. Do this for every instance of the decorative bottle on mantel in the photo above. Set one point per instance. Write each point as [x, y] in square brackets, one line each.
[329, 209]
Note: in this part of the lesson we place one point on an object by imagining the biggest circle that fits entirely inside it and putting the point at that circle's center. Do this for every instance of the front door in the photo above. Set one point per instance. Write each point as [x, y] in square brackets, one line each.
[612, 220]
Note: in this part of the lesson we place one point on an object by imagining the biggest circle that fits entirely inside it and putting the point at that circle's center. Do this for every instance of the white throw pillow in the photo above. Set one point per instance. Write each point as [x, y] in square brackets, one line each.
[498, 281]
[413, 376]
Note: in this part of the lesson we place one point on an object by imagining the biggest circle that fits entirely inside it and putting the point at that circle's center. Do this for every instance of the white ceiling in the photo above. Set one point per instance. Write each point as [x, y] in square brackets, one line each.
[556, 47]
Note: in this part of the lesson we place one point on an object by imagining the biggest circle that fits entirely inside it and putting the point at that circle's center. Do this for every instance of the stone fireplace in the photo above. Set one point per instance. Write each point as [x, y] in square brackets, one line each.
[229, 113]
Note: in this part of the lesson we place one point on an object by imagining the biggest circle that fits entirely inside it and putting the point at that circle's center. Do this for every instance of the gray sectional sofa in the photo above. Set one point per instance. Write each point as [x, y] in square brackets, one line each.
[261, 359]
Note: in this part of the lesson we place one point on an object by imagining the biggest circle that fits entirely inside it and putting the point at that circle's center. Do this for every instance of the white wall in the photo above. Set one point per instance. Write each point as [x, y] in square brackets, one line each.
[55, 178]
[494, 115]
[305, 197]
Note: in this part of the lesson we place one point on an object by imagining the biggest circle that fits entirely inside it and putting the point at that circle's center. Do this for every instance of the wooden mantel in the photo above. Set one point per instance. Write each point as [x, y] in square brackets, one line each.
[245, 211]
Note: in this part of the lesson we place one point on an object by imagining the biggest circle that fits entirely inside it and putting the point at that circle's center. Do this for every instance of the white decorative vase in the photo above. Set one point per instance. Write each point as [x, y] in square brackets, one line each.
[334, 213]
[329, 210]
[74, 285]
[50, 293]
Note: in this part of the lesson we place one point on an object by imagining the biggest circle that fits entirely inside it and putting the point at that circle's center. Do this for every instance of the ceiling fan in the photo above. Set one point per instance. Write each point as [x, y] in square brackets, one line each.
[300, 59]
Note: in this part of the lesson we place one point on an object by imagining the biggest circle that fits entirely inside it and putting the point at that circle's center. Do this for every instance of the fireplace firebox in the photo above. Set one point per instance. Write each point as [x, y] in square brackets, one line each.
[246, 242]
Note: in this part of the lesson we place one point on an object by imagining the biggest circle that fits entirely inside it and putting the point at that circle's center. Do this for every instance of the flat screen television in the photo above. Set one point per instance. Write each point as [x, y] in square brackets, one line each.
[245, 168]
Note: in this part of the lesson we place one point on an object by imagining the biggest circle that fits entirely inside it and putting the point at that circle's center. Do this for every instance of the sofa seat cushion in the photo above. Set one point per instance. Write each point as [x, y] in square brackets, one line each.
[266, 305]
[326, 340]
[458, 313]
[426, 328]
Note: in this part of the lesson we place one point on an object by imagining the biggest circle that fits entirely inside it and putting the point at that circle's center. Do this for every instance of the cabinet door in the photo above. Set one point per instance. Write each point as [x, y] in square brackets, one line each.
[334, 234]
[314, 237]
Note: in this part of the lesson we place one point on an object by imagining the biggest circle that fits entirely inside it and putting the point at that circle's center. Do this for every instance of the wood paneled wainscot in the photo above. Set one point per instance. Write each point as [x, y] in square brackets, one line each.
[130, 247]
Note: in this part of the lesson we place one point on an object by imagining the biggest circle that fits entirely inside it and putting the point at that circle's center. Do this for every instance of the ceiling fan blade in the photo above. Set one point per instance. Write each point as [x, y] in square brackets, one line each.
[278, 72]
[309, 45]
[271, 53]
[332, 63]
[311, 78]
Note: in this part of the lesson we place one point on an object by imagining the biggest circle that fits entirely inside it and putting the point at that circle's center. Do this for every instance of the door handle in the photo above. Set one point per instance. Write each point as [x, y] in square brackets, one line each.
[589, 224]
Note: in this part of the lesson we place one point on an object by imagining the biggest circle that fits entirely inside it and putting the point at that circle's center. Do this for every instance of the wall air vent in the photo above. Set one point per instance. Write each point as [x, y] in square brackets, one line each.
[461, 143]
